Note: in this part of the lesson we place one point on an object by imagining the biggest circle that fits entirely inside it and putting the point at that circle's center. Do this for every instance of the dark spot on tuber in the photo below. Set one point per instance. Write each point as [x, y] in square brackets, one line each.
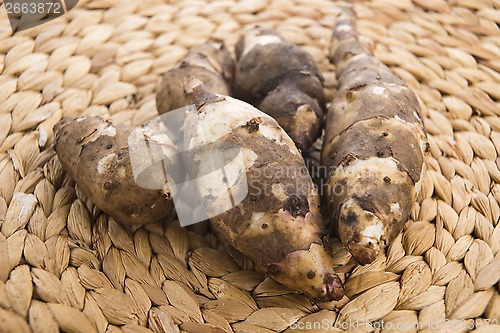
[109, 146]
[385, 134]
[349, 95]
[351, 218]
[132, 210]
[347, 159]
[311, 275]
[273, 269]
[297, 206]
[387, 179]
[365, 203]
[108, 185]
[264, 226]
[252, 125]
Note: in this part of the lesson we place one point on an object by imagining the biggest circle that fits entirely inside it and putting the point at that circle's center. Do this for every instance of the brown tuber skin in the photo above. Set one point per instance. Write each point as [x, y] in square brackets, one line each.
[374, 147]
[278, 224]
[283, 81]
[211, 63]
[95, 154]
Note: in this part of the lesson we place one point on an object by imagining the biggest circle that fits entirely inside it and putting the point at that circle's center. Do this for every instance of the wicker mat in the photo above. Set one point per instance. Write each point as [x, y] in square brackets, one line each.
[65, 266]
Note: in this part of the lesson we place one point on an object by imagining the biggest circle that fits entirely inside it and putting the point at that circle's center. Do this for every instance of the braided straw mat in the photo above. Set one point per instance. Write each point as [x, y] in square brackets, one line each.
[66, 266]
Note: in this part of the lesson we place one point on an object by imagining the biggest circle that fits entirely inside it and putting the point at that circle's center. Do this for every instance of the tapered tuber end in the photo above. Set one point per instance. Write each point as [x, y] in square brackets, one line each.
[333, 287]
[309, 271]
[304, 127]
[197, 93]
[297, 104]
[365, 253]
[362, 232]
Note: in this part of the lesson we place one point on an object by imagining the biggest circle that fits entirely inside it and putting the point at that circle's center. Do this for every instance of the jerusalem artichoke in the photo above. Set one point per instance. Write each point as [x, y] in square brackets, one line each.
[374, 147]
[210, 62]
[95, 153]
[282, 80]
[278, 224]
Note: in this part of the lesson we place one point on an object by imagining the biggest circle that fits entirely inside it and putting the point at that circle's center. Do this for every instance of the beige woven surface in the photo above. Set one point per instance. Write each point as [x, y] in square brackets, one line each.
[64, 265]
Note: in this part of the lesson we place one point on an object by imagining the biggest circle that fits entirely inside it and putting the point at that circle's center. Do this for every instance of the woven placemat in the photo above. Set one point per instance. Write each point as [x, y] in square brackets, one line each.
[66, 266]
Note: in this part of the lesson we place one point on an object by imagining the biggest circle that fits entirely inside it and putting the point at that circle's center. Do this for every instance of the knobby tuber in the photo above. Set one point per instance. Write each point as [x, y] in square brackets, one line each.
[374, 147]
[278, 224]
[95, 153]
[210, 62]
[282, 80]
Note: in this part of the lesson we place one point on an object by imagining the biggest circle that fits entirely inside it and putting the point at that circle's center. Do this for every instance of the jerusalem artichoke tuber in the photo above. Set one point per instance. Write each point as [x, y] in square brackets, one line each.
[283, 81]
[210, 62]
[95, 153]
[374, 147]
[277, 225]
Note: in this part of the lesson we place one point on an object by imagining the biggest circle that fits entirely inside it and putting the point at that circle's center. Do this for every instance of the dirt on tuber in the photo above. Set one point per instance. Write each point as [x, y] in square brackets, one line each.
[278, 224]
[96, 154]
[374, 147]
[282, 80]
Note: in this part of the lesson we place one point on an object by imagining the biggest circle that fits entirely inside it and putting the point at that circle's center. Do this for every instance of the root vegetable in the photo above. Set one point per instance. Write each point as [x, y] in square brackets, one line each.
[95, 153]
[277, 224]
[374, 147]
[210, 62]
[283, 81]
